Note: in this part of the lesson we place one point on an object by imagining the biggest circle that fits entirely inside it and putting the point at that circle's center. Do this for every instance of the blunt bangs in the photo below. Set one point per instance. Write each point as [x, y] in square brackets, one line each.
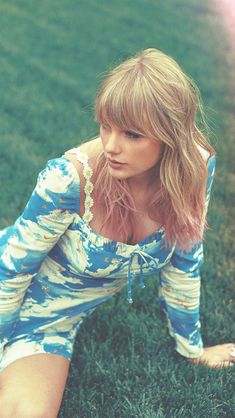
[122, 103]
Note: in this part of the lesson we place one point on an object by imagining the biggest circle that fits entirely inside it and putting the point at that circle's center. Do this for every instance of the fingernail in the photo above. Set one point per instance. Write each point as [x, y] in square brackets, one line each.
[232, 352]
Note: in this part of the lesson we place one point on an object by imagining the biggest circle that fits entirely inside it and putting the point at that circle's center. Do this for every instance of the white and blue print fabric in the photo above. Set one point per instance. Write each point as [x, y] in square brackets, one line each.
[55, 270]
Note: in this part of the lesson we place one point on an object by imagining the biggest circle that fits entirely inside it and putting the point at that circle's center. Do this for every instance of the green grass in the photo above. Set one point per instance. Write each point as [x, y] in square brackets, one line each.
[52, 56]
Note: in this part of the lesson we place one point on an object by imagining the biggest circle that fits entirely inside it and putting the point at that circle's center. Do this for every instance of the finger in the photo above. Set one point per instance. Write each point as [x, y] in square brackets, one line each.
[231, 345]
[223, 364]
[232, 353]
[227, 364]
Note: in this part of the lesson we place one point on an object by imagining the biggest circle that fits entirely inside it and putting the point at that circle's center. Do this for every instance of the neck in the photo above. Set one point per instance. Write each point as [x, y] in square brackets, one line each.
[143, 183]
[142, 189]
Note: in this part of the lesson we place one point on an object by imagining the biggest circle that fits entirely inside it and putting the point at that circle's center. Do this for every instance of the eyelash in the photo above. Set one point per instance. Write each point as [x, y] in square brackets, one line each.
[129, 134]
[133, 135]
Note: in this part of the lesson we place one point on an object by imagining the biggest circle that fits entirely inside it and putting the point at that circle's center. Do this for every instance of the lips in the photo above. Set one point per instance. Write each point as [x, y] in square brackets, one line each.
[114, 161]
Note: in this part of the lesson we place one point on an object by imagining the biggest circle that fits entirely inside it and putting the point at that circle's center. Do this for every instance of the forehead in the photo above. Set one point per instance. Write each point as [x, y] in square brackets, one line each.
[122, 105]
[122, 121]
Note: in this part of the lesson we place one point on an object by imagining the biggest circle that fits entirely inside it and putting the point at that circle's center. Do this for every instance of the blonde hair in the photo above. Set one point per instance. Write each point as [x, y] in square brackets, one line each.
[150, 93]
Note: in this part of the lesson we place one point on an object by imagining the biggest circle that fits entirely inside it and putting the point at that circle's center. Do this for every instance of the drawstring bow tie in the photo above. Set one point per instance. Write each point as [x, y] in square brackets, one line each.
[142, 258]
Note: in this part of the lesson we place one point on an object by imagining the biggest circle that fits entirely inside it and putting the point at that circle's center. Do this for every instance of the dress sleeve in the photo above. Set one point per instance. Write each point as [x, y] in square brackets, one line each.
[179, 291]
[24, 245]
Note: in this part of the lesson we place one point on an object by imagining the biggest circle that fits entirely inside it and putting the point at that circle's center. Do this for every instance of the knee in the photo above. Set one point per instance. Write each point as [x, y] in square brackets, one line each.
[31, 411]
[10, 408]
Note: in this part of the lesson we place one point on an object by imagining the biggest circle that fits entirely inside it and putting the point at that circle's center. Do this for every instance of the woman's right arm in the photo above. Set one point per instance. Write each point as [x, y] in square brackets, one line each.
[24, 245]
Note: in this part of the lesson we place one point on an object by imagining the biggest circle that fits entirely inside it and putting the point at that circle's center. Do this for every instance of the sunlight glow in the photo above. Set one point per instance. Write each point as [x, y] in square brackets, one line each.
[227, 9]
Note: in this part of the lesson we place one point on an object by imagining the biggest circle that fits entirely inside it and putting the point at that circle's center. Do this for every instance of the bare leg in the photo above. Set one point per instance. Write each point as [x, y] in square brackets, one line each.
[33, 386]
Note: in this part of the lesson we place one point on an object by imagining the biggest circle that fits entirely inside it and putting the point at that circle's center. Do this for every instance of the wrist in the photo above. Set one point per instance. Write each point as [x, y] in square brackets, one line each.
[191, 355]
[195, 359]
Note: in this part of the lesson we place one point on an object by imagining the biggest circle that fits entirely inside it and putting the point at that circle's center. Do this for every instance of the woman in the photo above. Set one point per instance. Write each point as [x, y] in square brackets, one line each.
[129, 203]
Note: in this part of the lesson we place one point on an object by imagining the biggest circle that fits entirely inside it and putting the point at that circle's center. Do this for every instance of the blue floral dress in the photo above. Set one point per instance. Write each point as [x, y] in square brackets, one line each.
[55, 270]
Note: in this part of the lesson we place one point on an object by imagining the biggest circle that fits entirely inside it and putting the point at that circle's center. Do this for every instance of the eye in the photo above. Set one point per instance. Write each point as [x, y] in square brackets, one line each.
[132, 134]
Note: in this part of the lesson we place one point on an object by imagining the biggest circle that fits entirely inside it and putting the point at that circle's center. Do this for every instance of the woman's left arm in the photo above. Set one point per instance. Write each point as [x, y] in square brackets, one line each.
[179, 294]
[180, 297]
[180, 291]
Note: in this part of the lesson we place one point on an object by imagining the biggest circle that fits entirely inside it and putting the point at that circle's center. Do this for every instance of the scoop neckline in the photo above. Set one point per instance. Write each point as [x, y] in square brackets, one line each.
[120, 243]
[101, 237]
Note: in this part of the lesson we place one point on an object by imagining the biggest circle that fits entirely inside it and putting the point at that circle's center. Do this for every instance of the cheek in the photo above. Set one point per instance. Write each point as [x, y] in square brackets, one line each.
[157, 154]
[148, 156]
[156, 151]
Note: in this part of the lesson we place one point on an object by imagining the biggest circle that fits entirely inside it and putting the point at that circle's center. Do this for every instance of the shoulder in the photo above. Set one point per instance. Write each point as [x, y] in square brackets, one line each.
[91, 148]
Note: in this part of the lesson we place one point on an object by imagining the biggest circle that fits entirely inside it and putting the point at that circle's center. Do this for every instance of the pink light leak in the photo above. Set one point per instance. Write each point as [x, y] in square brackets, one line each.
[227, 10]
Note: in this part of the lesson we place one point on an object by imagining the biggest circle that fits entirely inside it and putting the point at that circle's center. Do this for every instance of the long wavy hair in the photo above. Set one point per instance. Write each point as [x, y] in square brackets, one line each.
[150, 94]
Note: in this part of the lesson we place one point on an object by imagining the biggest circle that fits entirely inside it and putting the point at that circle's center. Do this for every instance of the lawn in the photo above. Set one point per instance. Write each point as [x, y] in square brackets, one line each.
[52, 58]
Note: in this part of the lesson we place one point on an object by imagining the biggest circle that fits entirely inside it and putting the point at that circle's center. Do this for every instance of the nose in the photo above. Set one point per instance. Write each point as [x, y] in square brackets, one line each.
[112, 143]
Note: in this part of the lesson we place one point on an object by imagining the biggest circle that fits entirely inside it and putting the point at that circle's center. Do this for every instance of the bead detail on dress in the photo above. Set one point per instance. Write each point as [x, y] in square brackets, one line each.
[87, 172]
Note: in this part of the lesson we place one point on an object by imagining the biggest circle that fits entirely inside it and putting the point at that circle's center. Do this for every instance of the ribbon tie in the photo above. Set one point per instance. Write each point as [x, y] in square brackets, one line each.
[142, 257]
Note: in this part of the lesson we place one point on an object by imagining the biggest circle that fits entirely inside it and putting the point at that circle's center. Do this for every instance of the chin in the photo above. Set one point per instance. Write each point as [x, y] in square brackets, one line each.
[118, 174]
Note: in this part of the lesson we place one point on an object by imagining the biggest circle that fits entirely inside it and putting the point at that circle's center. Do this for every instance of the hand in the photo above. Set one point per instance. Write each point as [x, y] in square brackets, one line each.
[217, 356]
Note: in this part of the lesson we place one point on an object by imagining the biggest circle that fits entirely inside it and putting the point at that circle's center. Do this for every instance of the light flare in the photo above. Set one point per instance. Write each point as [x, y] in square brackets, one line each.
[226, 8]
